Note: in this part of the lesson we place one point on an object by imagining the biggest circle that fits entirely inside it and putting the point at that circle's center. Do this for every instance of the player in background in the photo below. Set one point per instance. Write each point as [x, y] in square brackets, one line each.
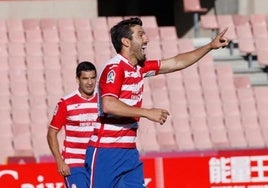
[77, 113]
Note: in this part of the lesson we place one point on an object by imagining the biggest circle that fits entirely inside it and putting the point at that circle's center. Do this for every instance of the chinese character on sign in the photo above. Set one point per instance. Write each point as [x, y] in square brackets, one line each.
[240, 169]
[220, 170]
[245, 169]
[258, 169]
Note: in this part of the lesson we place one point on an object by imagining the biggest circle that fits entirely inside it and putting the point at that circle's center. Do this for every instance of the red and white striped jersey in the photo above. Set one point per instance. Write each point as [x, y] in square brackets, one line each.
[78, 116]
[125, 82]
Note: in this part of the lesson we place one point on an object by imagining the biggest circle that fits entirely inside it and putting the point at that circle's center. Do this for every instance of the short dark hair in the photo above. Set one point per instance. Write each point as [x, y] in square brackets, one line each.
[123, 30]
[84, 66]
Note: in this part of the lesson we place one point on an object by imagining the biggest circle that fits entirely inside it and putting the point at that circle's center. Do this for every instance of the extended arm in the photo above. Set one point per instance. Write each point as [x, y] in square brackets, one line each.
[184, 60]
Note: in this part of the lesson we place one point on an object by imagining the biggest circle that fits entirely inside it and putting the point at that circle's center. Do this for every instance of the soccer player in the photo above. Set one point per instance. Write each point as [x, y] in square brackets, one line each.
[112, 158]
[77, 113]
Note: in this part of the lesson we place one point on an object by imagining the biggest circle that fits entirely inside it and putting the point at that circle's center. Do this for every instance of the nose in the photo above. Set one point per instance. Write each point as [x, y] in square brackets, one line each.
[146, 39]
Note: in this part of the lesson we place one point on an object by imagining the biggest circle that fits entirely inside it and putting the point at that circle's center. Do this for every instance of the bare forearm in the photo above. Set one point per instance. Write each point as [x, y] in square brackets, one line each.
[54, 145]
[183, 60]
[114, 106]
[189, 58]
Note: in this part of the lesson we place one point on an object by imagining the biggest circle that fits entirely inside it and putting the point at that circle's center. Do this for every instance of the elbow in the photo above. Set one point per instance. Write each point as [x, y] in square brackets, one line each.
[107, 105]
[106, 109]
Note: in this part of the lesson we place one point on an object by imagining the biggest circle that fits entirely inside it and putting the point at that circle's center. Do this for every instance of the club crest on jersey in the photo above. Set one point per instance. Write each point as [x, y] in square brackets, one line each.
[110, 77]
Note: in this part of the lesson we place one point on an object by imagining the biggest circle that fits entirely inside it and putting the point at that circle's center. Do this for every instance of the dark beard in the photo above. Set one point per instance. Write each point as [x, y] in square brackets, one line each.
[141, 63]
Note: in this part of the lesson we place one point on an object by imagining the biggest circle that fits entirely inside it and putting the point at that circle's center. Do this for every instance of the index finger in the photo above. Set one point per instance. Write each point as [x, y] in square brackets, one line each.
[223, 32]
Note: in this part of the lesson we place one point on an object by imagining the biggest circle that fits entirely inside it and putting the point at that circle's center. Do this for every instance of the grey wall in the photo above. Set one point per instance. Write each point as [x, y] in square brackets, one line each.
[48, 8]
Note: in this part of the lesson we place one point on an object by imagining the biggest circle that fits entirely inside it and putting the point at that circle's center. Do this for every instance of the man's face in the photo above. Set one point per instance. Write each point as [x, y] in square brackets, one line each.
[87, 83]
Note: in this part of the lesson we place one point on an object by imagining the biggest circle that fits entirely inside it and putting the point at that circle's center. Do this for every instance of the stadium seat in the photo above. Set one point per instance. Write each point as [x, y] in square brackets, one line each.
[168, 33]
[65, 24]
[226, 21]
[16, 36]
[48, 23]
[3, 50]
[37, 88]
[166, 141]
[185, 45]
[194, 6]
[30, 24]
[149, 21]
[237, 139]
[247, 48]
[100, 29]
[33, 36]
[38, 115]
[233, 122]
[16, 49]
[254, 138]
[68, 48]
[147, 136]
[169, 48]
[84, 35]
[198, 123]
[34, 62]
[20, 115]
[209, 22]
[51, 35]
[37, 101]
[240, 19]
[262, 57]
[51, 49]
[82, 23]
[259, 31]
[261, 43]
[219, 139]
[3, 36]
[213, 108]
[67, 35]
[112, 20]
[202, 140]
[184, 141]
[33, 49]
[14, 24]
[6, 148]
[258, 19]
[152, 33]
[242, 82]
[51, 62]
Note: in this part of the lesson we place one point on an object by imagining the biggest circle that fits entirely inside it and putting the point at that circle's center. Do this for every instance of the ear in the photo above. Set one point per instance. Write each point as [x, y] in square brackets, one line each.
[125, 42]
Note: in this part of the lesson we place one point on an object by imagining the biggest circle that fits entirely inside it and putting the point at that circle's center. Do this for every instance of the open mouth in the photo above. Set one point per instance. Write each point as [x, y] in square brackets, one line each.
[143, 50]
